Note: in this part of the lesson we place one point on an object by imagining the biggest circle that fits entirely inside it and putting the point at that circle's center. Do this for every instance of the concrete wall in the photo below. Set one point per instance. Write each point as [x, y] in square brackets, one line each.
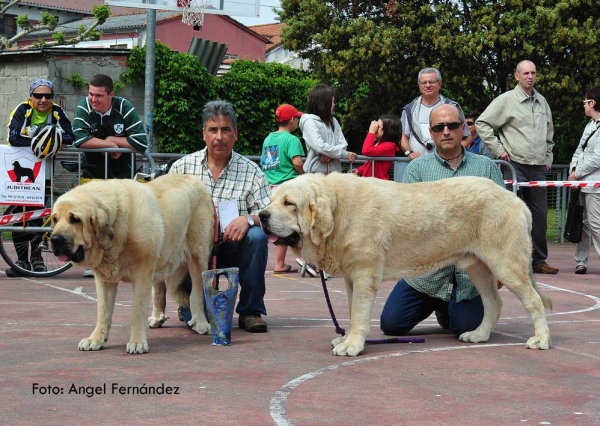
[19, 69]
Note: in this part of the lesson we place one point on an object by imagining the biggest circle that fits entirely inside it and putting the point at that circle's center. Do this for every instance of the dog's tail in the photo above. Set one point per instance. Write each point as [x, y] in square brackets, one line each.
[178, 288]
[546, 301]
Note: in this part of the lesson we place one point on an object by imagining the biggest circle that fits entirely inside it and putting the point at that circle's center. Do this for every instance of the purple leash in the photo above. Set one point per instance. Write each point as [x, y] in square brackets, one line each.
[339, 330]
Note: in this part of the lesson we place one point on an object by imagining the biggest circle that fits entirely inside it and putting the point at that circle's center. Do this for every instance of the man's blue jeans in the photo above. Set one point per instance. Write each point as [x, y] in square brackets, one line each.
[406, 307]
[250, 255]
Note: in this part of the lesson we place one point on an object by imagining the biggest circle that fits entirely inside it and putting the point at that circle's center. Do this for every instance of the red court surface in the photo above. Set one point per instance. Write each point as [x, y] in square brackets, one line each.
[288, 375]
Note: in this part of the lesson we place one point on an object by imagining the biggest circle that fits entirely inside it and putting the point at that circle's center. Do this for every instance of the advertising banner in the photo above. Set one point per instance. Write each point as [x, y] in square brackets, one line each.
[22, 177]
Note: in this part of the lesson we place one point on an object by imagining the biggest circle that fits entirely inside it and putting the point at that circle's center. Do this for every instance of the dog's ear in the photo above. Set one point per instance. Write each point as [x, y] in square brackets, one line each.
[103, 232]
[321, 220]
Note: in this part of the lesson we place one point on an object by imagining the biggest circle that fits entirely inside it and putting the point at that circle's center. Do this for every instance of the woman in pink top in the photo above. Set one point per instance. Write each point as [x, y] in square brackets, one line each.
[383, 140]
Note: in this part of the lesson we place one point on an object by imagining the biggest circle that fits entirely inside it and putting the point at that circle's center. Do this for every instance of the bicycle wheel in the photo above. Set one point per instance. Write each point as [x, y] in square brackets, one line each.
[31, 245]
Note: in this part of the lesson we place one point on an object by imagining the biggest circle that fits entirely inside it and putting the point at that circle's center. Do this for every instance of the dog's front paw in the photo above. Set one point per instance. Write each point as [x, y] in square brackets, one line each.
[200, 327]
[157, 322]
[338, 340]
[137, 347]
[88, 344]
[474, 337]
[349, 348]
[537, 342]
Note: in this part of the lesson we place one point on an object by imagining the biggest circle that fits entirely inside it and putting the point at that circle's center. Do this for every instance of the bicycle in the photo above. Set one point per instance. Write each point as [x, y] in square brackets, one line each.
[34, 233]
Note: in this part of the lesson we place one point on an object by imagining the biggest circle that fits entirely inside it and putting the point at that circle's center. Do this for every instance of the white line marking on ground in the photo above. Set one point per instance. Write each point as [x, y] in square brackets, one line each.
[278, 402]
[78, 291]
[277, 406]
[591, 308]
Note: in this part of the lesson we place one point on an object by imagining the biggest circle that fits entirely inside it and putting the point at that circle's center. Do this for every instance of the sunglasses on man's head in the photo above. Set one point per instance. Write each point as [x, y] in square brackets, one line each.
[43, 95]
[440, 127]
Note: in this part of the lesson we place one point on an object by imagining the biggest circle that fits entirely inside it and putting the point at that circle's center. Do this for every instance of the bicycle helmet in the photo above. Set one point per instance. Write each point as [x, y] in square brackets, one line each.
[46, 141]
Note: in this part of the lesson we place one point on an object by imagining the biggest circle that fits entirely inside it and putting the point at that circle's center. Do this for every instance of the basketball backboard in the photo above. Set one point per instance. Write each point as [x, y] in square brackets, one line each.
[217, 7]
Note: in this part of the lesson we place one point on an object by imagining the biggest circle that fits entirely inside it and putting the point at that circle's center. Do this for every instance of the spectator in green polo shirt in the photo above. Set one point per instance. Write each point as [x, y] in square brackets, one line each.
[103, 120]
[281, 160]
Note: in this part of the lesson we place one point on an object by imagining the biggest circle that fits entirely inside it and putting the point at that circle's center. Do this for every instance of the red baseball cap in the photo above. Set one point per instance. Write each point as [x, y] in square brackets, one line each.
[286, 112]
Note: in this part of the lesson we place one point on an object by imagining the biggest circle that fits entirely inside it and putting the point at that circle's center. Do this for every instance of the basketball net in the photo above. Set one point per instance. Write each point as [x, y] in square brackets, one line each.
[193, 11]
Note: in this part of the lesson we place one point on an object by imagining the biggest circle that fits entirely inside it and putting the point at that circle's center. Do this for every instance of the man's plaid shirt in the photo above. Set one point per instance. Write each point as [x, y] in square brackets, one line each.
[241, 180]
[432, 167]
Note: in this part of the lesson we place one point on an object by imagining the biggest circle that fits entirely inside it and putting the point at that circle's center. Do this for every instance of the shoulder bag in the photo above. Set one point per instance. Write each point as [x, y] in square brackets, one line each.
[574, 225]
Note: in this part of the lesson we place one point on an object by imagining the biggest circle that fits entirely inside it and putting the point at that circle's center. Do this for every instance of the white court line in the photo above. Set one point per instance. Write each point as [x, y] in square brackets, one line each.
[277, 405]
[278, 401]
[591, 308]
[78, 291]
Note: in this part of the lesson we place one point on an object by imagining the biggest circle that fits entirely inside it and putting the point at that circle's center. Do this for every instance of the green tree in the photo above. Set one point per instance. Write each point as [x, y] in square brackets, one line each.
[50, 22]
[255, 90]
[372, 52]
[182, 87]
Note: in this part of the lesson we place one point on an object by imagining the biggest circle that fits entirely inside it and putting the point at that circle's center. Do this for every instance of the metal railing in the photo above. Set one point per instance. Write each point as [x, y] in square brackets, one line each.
[62, 180]
[558, 198]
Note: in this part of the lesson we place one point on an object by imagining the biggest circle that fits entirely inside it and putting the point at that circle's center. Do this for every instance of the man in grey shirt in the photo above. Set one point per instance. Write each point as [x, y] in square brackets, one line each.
[416, 140]
[523, 121]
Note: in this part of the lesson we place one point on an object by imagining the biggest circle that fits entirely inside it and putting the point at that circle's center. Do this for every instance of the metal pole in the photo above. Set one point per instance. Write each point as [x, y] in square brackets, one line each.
[149, 80]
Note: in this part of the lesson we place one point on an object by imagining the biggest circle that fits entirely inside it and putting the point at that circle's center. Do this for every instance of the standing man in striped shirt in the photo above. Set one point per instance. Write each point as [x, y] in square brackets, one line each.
[103, 120]
[232, 177]
[448, 292]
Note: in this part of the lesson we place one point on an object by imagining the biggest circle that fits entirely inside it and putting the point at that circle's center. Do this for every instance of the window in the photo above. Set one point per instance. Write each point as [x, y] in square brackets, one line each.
[8, 25]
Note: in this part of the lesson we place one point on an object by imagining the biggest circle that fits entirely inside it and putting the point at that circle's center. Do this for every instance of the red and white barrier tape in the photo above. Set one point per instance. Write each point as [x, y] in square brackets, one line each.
[555, 184]
[18, 217]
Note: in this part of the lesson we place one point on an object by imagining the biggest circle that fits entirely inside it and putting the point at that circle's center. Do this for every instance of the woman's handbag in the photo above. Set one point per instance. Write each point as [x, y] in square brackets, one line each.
[574, 225]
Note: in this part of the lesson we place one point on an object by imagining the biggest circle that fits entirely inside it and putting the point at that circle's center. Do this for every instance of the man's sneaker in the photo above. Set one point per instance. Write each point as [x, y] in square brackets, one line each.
[252, 323]
[13, 273]
[544, 268]
[185, 315]
[37, 265]
[88, 273]
[580, 270]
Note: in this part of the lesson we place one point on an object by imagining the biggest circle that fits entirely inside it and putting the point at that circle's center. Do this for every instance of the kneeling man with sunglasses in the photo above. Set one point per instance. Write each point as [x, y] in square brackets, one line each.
[447, 292]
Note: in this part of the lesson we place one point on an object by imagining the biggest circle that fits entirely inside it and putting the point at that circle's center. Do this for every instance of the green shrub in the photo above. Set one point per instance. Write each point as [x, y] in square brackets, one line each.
[255, 90]
[181, 88]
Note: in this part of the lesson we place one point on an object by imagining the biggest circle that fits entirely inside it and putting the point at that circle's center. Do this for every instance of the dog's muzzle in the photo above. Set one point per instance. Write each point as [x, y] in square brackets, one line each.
[291, 240]
[63, 249]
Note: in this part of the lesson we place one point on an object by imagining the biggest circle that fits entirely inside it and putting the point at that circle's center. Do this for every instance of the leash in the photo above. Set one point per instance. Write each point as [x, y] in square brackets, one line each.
[213, 255]
[339, 330]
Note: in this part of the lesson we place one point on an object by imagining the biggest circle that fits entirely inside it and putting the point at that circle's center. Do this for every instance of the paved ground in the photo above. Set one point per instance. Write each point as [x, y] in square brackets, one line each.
[288, 375]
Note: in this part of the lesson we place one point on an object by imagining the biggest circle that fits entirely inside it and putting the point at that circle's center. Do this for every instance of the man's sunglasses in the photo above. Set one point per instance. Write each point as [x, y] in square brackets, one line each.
[440, 127]
[43, 95]
[470, 123]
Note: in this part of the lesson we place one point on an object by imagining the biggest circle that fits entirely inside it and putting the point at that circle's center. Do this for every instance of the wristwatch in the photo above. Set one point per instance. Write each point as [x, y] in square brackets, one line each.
[250, 220]
[407, 153]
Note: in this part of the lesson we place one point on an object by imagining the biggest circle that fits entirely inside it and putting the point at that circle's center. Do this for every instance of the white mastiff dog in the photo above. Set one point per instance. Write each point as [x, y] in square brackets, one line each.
[369, 230]
[143, 233]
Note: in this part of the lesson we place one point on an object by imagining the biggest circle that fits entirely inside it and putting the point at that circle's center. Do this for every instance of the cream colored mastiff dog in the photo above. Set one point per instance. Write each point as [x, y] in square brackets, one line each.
[370, 230]
[143, 233]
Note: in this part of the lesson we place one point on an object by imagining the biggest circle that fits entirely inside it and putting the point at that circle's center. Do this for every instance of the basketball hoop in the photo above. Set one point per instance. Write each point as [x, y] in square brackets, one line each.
[193, 11]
